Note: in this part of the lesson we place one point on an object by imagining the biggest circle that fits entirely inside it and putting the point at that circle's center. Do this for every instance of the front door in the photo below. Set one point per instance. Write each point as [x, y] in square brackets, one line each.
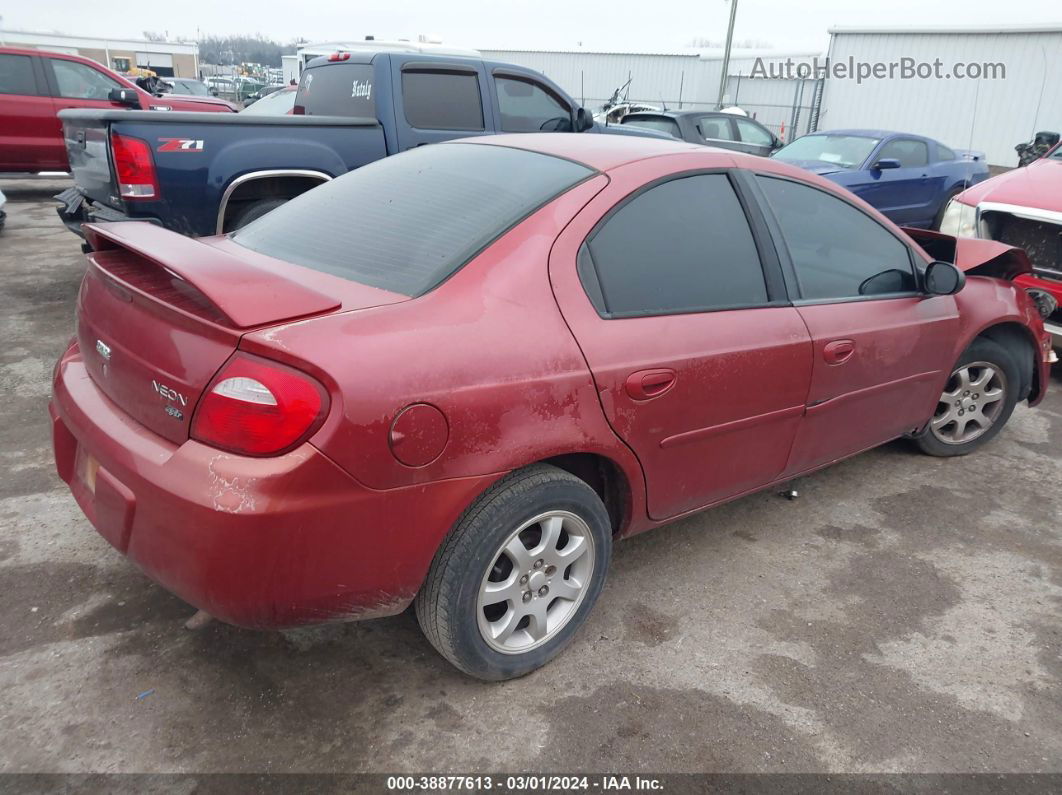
[701, 367]
[903, 194]
[881, 346]
[436, 101]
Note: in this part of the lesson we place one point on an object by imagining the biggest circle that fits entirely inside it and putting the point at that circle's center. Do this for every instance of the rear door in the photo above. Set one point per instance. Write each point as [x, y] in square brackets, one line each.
[678, 306]
[882, 347]
[439, 100]
[30, 136]
[904, 194]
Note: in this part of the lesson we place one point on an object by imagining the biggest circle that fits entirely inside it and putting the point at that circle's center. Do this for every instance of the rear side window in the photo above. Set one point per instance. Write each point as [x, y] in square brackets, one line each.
[406, 223]
[909, 152]
[339, 89]
[440, 100]
[837, 251]
[943, 153]
[16, 75]
[714, 128]
[683, 246]
[661, 123]
[527, 106]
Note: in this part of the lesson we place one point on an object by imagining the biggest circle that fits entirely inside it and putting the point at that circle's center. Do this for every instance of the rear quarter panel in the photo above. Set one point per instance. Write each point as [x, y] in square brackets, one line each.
[488, 348]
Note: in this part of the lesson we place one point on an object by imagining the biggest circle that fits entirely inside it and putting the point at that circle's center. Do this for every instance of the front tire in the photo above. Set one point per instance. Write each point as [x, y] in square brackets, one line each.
[976, 403]
[519, 574]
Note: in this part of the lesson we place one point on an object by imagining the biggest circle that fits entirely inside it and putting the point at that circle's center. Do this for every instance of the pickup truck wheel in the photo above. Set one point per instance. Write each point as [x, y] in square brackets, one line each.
[976, 403]
[518, 575]
[252, 212]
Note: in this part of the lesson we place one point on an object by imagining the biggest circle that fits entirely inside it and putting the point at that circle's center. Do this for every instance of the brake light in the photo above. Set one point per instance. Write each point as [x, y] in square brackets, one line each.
[339, 56]
[134, 167]
[258, 407]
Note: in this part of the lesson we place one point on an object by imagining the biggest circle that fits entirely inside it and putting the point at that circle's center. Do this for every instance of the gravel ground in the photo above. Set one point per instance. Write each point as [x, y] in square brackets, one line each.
[901, 615]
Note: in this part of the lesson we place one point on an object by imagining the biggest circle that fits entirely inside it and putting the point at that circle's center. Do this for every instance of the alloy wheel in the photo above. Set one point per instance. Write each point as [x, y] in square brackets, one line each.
[536, 582]
[972, 401]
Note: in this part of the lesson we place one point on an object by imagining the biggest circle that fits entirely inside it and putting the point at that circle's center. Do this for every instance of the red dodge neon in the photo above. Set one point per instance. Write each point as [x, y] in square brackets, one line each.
[456, 375]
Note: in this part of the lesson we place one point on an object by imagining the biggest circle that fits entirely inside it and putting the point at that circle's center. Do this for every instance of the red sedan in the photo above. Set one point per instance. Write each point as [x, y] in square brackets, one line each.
[456, 375]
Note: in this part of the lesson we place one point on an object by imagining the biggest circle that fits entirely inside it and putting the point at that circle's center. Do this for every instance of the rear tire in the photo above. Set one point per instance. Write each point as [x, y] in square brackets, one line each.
[976, 403]
[253, 212]
[519, 574]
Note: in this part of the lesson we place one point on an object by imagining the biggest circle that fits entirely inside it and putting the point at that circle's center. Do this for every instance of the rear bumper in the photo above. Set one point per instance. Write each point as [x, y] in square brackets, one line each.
[76, 209]
[257, 542]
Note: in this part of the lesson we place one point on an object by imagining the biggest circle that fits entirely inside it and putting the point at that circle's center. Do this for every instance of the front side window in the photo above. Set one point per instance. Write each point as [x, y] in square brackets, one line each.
[337, 89]
[527, 106]
[714, 128]
[909, 152]
[663, 124]
[407, 222]
[682, 246]
[440, 100]
[752, 133]
[16, 75]
[837, 251]
[78, 81]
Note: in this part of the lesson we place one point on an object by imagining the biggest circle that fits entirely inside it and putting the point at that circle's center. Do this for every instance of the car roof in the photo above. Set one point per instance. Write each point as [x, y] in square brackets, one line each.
[870, 133]
[599, 151]
[674, 114]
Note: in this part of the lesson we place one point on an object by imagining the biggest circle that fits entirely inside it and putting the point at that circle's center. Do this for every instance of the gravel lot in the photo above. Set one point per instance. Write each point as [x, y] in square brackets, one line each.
[902, 615]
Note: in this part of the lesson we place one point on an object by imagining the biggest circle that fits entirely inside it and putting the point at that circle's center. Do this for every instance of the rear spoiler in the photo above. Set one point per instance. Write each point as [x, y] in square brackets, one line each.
[972, 254]
[245, 294]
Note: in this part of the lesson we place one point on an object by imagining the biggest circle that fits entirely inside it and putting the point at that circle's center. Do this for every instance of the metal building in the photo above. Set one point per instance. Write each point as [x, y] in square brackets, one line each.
[991, 113]
[166, 58]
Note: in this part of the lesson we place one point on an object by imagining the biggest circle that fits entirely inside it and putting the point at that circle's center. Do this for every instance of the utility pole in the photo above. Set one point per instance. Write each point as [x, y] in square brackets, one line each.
[726, 54]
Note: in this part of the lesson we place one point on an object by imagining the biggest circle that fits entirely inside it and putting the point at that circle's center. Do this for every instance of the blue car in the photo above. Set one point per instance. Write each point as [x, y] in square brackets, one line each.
[909, 178]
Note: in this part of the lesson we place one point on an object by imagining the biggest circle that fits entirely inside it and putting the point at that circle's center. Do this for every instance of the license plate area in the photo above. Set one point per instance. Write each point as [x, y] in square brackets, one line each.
[87, 467]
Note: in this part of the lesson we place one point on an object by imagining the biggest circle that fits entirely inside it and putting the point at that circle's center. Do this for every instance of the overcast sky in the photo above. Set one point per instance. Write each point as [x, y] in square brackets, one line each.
[642, 25]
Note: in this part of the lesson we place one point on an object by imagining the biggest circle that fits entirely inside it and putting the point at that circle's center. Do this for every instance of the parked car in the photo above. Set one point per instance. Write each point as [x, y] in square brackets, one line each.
[36, 85]
[200, 176]
[179, 86]
[716, 128]
[910, 178]
[3, 214]
[1021, 208]
[264, 91]
[456, 375]
[276, 103]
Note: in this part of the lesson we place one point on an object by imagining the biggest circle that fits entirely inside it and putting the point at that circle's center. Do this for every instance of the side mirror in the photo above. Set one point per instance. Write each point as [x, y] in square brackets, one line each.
[583, 120]
[943, 278]
[776, 142]
[885, 163]
[124, 96]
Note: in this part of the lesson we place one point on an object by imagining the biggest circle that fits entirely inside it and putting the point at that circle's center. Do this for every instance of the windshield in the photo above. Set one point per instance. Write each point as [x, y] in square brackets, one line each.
[391, 224]
[843, 151]
[278, 103]
[191, 87]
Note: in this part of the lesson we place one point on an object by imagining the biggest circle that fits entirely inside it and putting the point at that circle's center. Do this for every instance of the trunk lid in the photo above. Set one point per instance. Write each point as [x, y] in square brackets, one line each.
[160, 313]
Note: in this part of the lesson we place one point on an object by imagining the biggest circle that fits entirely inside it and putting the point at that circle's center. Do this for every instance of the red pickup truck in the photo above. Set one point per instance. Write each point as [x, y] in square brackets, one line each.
[35, 85]
[1021, 208]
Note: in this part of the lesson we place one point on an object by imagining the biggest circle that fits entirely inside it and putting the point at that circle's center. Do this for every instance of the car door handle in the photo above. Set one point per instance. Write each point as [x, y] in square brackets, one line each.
[838, 351]
[647, 384]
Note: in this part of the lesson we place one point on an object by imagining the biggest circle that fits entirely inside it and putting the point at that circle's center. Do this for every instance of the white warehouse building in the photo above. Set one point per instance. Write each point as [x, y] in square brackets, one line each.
[1018, 92]
[991, 114]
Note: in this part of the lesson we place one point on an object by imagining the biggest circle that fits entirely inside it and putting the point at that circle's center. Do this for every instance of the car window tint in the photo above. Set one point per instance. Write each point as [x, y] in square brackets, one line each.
[337, 89]
[909, 152]
[527, 106]
[837, 250]
[435, 100]
[682, 246]
[752, 133]
[715, 128]
[78, 81]
[943, 153]
[660, 123]
[16, 75]
[407, 222]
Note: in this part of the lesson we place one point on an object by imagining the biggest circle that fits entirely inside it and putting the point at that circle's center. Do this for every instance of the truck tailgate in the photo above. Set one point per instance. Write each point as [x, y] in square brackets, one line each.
[90, 164]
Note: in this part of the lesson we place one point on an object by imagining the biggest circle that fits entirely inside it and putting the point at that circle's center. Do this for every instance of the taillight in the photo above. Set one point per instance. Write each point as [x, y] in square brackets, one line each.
[134, 167]
[339, 56]
[257, 407]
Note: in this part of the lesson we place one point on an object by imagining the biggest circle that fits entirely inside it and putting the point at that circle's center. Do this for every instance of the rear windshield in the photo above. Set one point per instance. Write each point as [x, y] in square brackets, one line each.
[406, 223]
[337, 89]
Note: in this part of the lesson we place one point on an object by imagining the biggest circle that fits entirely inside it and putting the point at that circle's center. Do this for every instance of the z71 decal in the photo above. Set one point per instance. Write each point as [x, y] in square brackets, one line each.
[180, 145]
